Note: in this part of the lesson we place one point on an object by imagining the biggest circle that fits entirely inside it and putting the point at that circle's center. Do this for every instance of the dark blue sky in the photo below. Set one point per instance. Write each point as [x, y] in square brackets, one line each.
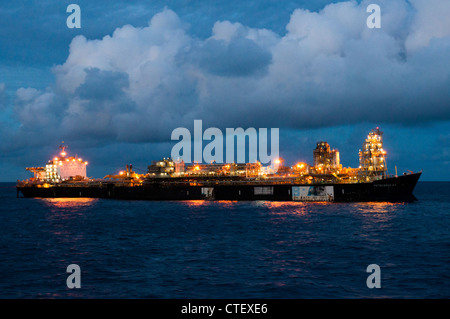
[116, 88]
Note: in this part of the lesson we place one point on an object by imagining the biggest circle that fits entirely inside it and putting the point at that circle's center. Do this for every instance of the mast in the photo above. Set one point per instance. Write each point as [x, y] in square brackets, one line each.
[63, 148]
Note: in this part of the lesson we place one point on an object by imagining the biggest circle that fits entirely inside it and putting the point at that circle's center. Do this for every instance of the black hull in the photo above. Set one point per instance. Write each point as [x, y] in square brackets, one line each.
[394, 189]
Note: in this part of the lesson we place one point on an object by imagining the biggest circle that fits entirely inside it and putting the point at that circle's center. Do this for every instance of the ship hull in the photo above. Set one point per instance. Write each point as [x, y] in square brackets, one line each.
[394, 189]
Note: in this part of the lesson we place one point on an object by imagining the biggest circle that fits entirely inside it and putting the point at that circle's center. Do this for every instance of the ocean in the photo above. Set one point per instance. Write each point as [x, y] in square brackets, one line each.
[204, 249]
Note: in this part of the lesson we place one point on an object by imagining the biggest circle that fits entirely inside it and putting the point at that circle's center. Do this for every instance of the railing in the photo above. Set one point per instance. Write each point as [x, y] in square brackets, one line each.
[202, 181]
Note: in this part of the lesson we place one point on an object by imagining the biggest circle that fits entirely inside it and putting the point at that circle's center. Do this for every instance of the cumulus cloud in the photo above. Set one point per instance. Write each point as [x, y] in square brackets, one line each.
[223, 53]
[430, 22]
[140, 83]
[35, 109]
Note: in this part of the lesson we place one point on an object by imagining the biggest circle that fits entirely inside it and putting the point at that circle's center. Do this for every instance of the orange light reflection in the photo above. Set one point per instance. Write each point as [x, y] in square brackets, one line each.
[69, 202]
[377, 207]
[195, 203]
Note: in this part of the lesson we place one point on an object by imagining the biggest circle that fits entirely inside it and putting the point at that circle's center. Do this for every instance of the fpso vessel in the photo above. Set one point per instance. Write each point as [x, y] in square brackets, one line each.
[325, 180]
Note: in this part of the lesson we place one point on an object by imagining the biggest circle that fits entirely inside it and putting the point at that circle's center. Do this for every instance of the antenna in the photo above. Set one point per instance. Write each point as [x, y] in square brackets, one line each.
[63, 147]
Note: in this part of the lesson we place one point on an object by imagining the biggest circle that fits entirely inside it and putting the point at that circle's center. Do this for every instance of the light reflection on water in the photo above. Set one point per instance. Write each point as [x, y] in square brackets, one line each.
[274, 204]
[195, 203]
[377, 211]
[73, 204]
[377, 219]
[285, 208]
[65, 215]
[377, 207]
[294, 208]
[207, 203]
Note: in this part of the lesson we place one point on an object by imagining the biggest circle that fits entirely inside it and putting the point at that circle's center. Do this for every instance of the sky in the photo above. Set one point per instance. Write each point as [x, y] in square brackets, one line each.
[114, 89]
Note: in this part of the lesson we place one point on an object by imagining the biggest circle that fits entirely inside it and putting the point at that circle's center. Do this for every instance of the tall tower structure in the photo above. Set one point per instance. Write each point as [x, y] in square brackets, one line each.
[326, 159]
[372, 156]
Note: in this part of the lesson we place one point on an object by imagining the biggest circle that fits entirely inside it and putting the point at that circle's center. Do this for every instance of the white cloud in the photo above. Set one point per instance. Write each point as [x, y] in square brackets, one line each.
[34, 108]
[431, 21]
[140, 83]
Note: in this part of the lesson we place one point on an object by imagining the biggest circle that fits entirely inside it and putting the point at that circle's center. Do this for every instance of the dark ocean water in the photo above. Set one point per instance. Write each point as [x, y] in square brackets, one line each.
[200, 249]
